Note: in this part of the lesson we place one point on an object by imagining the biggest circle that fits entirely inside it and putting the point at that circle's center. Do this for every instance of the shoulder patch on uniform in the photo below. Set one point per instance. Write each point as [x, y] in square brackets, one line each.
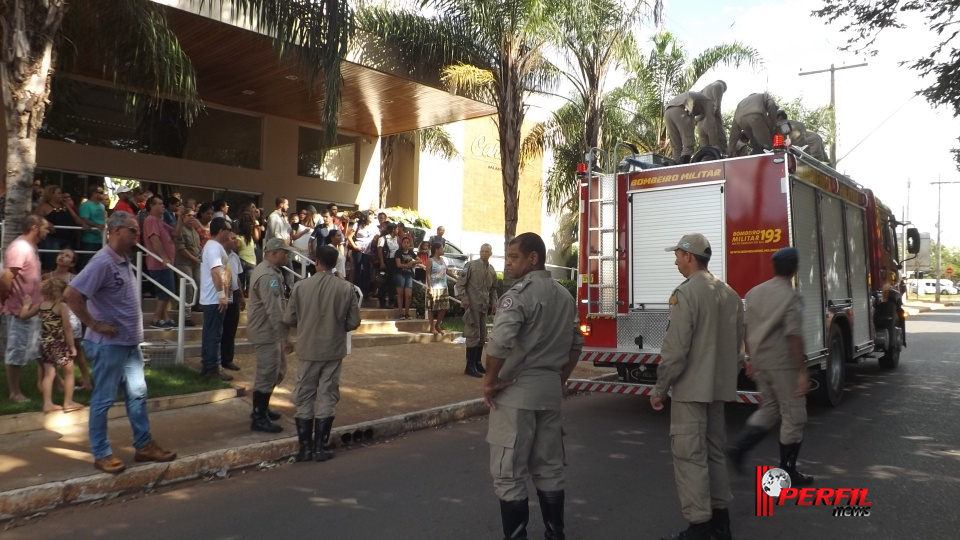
[506, 303]
[274, 283]
[673, 300]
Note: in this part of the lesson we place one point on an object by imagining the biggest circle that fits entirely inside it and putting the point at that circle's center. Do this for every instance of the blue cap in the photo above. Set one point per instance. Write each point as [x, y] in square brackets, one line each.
[786, 253]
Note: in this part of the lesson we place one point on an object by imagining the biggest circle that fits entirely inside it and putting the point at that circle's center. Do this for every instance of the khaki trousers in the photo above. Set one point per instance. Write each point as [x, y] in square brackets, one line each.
[475, 327]
[697, 438]
[779, 404]
[680, 128]
[525, 443]
[318, 387]
[271, 366]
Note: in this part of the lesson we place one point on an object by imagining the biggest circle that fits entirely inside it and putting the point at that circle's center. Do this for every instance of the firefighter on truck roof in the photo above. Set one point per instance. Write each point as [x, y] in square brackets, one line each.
[714, 91]
[756, 116]
[774, 340]
[700, 360]
[799, 136]
[680, 122]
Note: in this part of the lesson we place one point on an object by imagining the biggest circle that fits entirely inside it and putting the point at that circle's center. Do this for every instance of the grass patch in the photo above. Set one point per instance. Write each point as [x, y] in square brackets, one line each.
[455, 324]
[161, 382]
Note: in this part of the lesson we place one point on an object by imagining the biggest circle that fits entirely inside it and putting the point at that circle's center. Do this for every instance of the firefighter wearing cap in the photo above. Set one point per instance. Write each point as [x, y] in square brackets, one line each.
[756, 115]
[774, 342]
[679, 120]
[799, 136]
[699, 361]
[265, 329]
[534, 346]
[712, 132]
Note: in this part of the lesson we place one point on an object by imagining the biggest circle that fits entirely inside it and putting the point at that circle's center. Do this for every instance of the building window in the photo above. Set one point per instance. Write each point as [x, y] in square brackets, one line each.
[95, 115]
[339, 165]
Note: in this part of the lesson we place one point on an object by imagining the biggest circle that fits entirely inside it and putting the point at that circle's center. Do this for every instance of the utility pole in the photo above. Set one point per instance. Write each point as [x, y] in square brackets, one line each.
[833, 103]
[939, 186]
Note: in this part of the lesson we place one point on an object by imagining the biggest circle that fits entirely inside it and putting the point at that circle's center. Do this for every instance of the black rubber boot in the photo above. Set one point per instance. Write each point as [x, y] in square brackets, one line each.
[551, 508]
[720, 524]
[260, 420]
[321, 444]
[471, 369]
[696, 531]
[685, 159]
[788, 462]
[514, 515]
[305, 437]
[478, 360]
[749, 437]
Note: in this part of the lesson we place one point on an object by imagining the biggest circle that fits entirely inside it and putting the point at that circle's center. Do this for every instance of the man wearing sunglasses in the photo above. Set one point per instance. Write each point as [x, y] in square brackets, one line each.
[104, 297]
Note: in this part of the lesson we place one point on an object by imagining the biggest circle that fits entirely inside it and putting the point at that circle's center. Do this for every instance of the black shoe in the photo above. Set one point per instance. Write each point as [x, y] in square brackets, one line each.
[272, 414]
[231, 366]
[551, 508]
[788, 462]
[514, 516]
[260, 420]
[305, 438]
[720, 524]
[189, 323]
[216, 373]
[477, 356]
[321, 441]
[749, 437]
[696, 531]
[471, 370]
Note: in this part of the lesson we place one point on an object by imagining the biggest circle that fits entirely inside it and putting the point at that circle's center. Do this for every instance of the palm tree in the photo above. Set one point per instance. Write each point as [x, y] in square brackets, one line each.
[137, 48]
[596, 37]
[665, 72]
[435, 140]
[493, 50]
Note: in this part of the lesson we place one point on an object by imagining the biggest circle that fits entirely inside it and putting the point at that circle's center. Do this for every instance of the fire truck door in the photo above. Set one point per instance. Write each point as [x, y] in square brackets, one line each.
[807, 241]
[857, 248]
[659, 218]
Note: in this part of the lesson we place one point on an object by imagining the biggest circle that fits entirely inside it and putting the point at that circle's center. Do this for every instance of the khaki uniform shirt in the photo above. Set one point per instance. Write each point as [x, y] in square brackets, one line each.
[714, 91]
[701, 351]
[266, 305]
[324, 308]
[757, 104]
[534, 331]
[773, 313]
[695, 103]
[478, 284]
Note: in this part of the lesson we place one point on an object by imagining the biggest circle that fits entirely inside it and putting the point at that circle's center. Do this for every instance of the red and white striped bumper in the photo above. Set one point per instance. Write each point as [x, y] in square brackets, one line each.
[619, 357]
[583, 385]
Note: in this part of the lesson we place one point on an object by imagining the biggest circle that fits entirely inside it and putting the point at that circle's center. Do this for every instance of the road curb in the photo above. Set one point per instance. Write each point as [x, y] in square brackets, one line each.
[30, 500]
[35, 421]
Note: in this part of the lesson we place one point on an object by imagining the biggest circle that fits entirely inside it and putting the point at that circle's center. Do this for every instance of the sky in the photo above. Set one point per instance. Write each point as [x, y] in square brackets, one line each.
[885, 137]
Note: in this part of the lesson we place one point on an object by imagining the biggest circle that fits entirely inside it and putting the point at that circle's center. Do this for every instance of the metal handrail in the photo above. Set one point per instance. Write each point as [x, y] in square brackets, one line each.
[182, 302]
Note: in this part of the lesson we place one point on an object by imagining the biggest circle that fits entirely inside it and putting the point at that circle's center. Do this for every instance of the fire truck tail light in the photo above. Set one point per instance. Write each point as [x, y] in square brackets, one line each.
[585, 329]
[905, 315]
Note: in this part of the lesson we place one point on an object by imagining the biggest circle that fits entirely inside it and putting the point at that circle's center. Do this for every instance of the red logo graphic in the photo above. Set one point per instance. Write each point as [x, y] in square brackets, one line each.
[774, 483]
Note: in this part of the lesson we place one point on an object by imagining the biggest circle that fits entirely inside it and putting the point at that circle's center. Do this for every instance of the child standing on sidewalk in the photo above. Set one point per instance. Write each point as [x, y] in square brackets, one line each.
[56, 342]
[66, 261]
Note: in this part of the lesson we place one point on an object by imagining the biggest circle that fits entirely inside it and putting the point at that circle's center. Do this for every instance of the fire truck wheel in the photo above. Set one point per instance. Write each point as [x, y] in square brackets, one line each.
[830, 378]
[891, 358]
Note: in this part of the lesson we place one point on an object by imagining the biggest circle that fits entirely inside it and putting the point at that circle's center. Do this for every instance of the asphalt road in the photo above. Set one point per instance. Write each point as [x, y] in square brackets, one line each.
[895, 433]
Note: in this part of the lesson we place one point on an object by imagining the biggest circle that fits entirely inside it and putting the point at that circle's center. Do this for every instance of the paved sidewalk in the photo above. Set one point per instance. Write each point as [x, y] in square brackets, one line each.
[380, 388]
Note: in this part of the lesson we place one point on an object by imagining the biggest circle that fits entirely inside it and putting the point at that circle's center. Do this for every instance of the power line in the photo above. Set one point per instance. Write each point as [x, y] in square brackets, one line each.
[867, 136]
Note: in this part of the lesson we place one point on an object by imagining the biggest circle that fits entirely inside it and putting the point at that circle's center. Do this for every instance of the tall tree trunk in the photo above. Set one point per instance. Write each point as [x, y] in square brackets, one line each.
[510, 116]
[593, 113]
[25, 70]
[388, 146]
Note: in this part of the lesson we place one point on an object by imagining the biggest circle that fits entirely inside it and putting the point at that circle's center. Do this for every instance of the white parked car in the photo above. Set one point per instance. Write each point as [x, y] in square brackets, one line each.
[948, 287]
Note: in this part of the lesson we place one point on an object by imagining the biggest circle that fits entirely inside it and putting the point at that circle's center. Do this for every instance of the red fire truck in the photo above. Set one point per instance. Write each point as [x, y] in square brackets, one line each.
[748, 207]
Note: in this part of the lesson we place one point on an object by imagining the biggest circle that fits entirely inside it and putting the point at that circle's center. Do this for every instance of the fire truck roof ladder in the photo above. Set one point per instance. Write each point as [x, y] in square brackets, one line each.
[818, 165]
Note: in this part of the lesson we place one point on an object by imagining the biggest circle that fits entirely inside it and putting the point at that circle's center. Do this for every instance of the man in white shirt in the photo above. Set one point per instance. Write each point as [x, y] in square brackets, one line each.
[277, 225]
[215, 278]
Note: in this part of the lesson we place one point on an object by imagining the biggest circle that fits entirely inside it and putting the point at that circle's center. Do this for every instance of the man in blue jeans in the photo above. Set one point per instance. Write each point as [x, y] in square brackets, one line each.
[214, 296]
[104, 297]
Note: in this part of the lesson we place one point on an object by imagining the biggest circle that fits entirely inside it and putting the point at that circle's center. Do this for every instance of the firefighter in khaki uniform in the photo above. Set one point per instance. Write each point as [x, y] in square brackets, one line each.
[774, 341]
[534, 347]
[700, 360]
[713, 132]
[756, 116]
[477, 291]
[680, 122]
[265, 329]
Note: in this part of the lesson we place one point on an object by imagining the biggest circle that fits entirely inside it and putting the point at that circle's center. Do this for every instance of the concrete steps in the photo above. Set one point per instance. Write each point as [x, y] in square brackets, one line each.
[378, 327]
